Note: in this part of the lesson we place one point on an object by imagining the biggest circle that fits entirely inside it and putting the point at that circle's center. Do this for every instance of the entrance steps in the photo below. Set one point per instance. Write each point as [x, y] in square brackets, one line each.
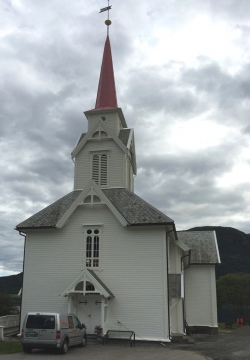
[93, 339]
[182, 339]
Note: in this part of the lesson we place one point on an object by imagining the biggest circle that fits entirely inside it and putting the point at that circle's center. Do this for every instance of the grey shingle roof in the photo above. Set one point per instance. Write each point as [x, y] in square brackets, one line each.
[124, 135]
[203, 245]
[174, 285]
[134, 209]
[101, 283]
[49, 216]
[81, 137]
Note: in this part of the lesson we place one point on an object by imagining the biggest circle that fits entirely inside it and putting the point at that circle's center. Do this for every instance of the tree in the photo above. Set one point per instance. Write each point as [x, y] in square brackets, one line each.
[6, 304]
[233, 291]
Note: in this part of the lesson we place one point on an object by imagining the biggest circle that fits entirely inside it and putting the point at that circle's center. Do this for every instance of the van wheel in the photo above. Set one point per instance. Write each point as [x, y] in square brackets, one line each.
[27, 349]
[83, 343]
[64, 347]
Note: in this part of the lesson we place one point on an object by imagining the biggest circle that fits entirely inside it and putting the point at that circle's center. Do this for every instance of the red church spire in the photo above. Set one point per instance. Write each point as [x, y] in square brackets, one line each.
[106, 94]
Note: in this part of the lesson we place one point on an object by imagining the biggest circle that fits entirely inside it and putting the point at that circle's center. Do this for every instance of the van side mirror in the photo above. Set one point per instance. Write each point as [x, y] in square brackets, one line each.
[83, 326]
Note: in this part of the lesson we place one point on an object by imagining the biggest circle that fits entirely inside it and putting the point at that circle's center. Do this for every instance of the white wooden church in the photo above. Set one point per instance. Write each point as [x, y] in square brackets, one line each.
[108, 256]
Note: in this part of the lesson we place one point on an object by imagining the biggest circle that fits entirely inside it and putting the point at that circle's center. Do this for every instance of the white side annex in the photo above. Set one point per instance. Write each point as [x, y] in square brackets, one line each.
[107, 255]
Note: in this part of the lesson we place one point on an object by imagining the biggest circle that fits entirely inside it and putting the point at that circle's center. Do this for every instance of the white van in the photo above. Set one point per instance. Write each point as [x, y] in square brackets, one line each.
[44, 330]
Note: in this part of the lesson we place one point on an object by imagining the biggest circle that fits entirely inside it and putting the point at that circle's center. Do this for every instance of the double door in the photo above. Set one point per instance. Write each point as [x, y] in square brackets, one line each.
[89, 311]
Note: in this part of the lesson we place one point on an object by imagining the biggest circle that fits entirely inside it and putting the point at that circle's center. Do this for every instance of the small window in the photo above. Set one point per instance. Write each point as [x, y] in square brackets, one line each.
[100, 169]
[79, 286]
[92, 248]
[89, 286]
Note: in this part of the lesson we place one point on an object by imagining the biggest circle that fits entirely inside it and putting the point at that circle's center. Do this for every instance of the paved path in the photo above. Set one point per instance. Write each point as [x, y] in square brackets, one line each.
[233, 346]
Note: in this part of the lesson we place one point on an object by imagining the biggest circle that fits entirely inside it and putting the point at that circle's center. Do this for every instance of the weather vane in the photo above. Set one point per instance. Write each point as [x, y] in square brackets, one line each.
[107, 22]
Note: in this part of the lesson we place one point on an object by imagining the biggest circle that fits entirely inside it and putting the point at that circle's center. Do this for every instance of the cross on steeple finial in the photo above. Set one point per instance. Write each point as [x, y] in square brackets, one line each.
[107, 22]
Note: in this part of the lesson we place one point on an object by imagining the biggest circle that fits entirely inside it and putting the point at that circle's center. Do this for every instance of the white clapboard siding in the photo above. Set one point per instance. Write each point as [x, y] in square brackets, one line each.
[174, 258]
[133, 266]
[116, 163]
[176, 316]
[200, 295]
[112, 120]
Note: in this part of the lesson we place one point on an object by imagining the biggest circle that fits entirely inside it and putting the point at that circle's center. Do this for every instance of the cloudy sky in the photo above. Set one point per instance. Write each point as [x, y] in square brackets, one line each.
[182, 72]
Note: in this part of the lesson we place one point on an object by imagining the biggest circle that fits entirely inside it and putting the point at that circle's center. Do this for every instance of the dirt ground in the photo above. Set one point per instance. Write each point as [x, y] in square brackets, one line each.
[224, 346]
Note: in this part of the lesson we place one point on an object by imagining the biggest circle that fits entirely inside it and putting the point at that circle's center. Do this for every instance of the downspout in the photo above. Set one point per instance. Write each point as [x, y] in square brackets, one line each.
[24, 235]
[183, 301]
[168, 281]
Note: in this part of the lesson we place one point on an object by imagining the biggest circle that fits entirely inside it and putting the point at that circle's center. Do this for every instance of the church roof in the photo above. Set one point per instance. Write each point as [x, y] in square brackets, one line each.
[49, 216]
[135, 210]
[124, 135]
[203, 245]
[106, 94]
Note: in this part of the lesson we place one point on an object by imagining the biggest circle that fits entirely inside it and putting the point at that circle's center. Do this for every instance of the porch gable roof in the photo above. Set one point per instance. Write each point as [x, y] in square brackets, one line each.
[89, 275]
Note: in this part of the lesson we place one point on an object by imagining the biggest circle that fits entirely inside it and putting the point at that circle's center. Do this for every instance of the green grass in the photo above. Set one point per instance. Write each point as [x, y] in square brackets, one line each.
[10, 347]
[221, 328]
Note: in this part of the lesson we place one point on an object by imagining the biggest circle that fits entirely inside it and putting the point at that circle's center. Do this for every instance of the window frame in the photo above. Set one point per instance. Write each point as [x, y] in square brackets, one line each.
[99, 172]
[92, 227]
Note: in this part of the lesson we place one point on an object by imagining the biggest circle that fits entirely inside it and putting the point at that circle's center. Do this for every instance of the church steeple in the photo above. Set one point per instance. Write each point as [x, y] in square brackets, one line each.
[106, 94]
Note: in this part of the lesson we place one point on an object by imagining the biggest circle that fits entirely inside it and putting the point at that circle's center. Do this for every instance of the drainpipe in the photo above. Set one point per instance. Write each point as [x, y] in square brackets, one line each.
[168, 279]
[24, 235]
[183, 300]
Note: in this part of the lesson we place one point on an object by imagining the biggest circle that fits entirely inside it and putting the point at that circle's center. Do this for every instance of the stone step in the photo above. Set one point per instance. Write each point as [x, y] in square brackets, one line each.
[182, 339]
[94, 339]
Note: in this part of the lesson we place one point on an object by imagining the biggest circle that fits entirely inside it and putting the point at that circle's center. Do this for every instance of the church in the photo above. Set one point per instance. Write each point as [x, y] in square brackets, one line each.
[107, 255]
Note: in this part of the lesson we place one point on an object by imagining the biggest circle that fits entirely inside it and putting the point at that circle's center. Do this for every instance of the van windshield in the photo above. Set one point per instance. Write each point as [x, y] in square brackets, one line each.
[41, 322]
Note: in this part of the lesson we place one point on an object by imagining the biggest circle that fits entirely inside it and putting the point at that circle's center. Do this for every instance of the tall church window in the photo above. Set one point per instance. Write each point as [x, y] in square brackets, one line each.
[92, 248]
[100, 169]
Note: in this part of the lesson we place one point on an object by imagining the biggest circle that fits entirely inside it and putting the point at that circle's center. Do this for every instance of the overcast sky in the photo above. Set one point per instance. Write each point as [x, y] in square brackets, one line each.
[182, 71]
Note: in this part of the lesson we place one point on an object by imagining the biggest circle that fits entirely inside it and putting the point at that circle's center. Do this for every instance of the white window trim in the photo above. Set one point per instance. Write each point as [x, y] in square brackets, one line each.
[92, 227]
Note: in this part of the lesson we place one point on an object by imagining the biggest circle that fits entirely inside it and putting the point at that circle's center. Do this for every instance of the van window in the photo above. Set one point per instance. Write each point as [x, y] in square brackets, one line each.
[41, 322]
[70, 321]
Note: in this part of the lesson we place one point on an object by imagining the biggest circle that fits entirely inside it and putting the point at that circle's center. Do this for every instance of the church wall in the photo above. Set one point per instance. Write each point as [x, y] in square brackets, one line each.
[112, 120]
[133, 266]
[83, 169]
[200, 295]
[174, 258]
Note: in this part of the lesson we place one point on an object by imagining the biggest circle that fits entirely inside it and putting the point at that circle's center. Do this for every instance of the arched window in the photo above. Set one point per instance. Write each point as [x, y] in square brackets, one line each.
[92, 248]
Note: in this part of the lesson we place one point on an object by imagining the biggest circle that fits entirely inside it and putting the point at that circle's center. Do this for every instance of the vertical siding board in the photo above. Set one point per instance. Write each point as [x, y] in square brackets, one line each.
[199, 296]
[132, 266]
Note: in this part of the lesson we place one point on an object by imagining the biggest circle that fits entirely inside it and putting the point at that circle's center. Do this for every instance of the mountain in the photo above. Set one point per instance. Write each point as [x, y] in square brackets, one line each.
[234, 249]
[11, 284]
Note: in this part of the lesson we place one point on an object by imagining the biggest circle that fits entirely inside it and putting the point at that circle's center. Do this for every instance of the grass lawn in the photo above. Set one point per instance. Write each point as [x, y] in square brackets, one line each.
[10, 347]
[222, 329]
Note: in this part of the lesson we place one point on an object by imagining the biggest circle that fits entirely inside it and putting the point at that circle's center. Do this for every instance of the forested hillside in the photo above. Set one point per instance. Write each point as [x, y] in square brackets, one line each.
[11, 284]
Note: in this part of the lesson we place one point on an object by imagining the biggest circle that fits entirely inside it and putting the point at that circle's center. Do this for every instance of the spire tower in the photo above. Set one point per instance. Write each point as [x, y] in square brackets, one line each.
[106, 93]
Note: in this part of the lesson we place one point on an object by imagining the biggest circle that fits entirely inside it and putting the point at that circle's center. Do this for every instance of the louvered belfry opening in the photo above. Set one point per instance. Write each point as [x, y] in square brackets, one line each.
[100, 169]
